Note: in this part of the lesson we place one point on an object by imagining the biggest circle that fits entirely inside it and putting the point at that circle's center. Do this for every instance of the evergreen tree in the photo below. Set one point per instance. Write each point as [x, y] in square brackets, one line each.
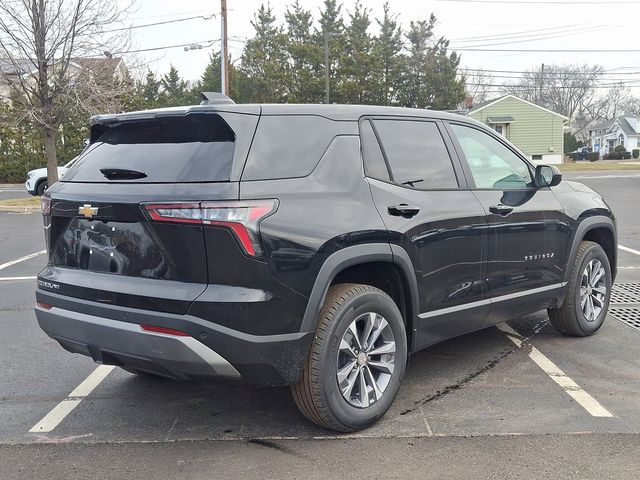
[388, 59]
[445, 90]
[305, 57]
[211, 81]
[430, 79]
[358, 72]
[265, 60]
[413, 90]
[174, 89]
[332, 24]
[149, 91]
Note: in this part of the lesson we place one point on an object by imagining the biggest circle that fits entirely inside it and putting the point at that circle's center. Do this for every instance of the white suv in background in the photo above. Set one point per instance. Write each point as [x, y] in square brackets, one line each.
[36, 182]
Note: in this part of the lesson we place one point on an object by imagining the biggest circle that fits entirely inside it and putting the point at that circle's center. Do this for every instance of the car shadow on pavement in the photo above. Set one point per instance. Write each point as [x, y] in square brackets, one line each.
[128, 407]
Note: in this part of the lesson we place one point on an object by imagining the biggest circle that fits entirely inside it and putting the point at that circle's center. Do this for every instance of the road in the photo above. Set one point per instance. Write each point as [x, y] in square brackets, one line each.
[482, 405]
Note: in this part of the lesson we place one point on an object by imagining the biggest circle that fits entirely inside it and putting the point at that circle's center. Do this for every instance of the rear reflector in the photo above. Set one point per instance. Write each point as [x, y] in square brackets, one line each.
[166, 331]
[241, 217]
[46, 306]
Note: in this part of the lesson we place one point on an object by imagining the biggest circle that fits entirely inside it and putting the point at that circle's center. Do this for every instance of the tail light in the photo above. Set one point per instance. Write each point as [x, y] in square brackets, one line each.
[241, 217]
[45, 205]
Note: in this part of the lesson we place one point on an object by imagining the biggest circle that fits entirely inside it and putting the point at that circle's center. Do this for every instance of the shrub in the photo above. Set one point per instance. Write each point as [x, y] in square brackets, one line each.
[626, 155]
[619, 149]
[593, 156]
[636, 153]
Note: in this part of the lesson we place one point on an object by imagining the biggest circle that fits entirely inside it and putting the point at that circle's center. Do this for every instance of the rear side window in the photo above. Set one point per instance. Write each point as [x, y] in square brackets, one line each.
[416, 154]
[190, 148]
[288, 146]
[374, 164]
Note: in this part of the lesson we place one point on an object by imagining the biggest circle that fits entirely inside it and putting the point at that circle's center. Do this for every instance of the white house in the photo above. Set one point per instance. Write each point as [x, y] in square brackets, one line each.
[605, 137]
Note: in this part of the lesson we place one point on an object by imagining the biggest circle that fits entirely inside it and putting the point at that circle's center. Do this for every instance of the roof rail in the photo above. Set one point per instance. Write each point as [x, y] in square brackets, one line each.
[214, 98]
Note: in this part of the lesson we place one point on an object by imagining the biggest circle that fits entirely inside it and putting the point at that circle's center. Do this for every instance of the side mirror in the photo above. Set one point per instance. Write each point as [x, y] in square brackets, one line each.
[547, 176]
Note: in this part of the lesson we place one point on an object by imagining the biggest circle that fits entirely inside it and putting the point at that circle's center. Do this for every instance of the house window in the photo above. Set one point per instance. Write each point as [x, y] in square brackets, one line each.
[536, 157]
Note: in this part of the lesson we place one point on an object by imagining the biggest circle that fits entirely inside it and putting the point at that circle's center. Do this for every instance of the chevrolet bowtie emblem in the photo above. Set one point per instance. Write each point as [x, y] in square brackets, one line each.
[87, 210]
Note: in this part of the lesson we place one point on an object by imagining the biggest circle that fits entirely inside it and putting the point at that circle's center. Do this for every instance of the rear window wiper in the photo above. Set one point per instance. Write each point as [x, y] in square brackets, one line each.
[122, 174]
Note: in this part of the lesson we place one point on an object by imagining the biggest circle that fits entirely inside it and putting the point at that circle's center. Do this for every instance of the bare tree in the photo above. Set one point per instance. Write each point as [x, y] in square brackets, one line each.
[478, 84]
[41, 40]
[566, 89]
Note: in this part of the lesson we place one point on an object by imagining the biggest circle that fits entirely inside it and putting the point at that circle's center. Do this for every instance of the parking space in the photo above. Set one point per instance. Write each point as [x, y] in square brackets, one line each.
[483, 383]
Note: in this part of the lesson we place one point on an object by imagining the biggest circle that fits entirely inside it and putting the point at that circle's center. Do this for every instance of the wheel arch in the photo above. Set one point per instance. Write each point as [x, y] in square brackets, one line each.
[599, 229]
[354, 264]
[37, 185]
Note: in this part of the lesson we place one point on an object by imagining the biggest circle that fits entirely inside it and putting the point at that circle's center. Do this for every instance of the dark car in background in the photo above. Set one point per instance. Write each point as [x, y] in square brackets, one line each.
[317, 246]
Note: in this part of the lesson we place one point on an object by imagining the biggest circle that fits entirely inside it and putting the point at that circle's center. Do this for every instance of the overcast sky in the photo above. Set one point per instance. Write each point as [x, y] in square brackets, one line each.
[504, 24]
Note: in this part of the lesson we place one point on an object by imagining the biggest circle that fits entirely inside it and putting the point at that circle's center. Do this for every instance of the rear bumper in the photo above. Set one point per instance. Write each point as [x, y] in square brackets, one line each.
[112, 335]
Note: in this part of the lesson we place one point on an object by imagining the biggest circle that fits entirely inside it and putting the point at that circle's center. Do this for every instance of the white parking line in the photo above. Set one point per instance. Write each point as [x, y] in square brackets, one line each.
[8, 279]
[21, 259]
[627, 249]
[574, 390]
[65, 407]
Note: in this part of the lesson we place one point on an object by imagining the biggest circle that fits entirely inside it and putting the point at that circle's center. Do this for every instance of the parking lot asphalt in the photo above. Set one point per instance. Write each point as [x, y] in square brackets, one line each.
[482, 401]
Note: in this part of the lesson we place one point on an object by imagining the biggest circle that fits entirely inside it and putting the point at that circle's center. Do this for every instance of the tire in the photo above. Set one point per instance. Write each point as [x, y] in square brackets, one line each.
[40, 189]
[571, 319]
[318, 395]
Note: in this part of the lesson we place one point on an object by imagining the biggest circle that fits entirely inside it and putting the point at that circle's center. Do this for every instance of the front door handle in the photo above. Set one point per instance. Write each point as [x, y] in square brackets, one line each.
[403, 210]
[501, 209]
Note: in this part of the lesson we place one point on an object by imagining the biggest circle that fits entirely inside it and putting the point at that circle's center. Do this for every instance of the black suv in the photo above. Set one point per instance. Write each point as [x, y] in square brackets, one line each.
[316, 246]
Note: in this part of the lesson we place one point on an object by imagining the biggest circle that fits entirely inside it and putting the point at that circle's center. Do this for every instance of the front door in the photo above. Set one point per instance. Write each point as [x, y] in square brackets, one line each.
[528, 232]
[419, 192]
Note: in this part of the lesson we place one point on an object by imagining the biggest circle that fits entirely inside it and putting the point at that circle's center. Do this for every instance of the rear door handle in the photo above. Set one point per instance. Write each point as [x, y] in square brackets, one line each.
[403, 210]
[501, 209]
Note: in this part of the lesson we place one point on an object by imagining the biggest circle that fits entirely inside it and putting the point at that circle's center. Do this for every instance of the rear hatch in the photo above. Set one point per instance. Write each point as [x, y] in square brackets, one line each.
[125, 225]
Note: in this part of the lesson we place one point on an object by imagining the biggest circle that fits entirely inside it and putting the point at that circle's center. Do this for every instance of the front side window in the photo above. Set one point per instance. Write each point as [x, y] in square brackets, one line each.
[492, 164]
[416, 154]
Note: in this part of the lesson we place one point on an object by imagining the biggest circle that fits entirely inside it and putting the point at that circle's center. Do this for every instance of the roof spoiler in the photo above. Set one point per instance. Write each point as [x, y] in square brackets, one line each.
[215, 98]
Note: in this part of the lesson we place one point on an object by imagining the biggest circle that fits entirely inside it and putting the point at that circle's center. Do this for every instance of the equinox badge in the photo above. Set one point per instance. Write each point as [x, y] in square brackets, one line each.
[87, 210]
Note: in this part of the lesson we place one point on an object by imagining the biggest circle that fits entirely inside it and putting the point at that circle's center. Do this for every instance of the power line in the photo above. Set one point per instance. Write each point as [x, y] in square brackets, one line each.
[541, 37]
[547, 50]
[548, 2]
[167, 47]
[133, 27]
[605, 72]
[532, 87]
[535, 31]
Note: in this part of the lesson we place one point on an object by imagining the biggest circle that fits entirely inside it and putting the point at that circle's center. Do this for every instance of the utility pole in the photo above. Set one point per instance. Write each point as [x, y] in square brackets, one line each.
[326, 67]
[541, 84]
[224, 56]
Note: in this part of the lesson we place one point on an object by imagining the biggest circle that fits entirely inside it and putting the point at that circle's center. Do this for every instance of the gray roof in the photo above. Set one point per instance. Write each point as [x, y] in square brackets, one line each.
[629, 125]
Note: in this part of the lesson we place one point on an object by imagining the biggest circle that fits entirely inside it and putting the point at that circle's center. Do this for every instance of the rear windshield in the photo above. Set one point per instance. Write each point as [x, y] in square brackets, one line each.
[191, 148]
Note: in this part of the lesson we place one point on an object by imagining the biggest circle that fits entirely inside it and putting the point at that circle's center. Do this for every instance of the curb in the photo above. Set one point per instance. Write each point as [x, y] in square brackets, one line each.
[19, 209]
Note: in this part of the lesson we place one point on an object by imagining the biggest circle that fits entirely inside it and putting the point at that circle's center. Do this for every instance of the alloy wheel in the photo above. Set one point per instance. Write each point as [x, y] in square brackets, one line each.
[366, 360]
[593, 290]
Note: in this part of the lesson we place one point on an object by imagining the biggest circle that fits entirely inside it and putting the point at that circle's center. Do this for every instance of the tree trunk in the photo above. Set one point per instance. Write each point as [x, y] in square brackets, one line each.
[50, 155]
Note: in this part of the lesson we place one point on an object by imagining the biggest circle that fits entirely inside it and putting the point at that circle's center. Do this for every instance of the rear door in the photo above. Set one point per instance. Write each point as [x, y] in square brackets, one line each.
[420, 193]
[107, 238]
[528, 232]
